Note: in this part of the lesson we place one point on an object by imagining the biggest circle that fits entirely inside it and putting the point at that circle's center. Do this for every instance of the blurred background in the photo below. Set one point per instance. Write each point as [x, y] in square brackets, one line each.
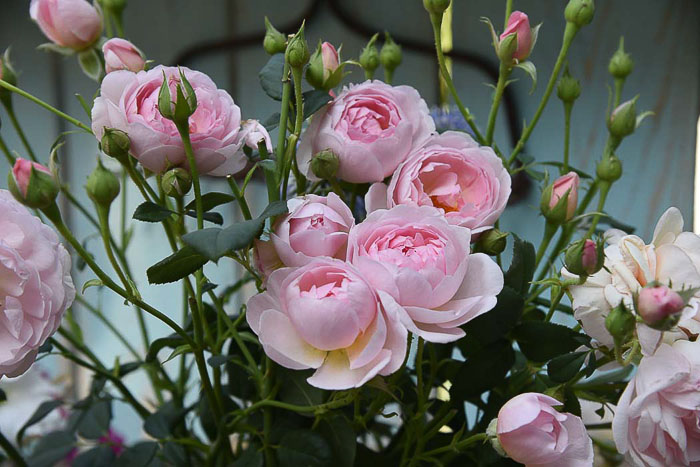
[223, 39]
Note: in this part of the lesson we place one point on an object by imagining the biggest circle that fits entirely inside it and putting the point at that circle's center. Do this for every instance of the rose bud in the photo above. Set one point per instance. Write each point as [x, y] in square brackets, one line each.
[274, 41]
[121, 54]
[322, 72]
[176, 182]
[325, 164]
[532, 432]
[623, 120]
[609, 169]
[579, 12]
[115, 143]
[492, 242]
[32, 184]
[621, 64]
[584, 257]
[253, 133]
[390, 56]
[559, 200]
[369, 57]
[569, 88]
[519, 27]
[102, 186]
[656, 303]
[297, 51]
[620, 323]
[437, 7]
[74, 24]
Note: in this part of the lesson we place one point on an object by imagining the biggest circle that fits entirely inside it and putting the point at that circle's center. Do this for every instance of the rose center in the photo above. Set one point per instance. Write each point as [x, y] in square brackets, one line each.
[411, 249]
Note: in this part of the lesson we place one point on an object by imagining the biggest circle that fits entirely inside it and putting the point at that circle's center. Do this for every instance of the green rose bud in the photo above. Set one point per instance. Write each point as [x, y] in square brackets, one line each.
[390, 55]
[579, 12]
[492, 242]
[584, 257]
[297, 52]
[621, 63]
[274, 42]
[569, 88]
[623, 120]
[116, 143]
[609, 169]
[176, 182]
[325, 164]
[507, 47]
[436, 7]
[369, 58]
[32, 184]
[620, 323]
[102, 186]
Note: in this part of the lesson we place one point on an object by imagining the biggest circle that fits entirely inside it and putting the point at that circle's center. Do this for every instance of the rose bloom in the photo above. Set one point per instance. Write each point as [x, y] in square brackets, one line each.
[326, 316]
[672, 258]
[371, 126]
[129, 102]
[657, 420]
[416, 257]
[121, 54]
[35, 285]
[253, 132]
[69, 23]
[533, 433]
[315, 226]
[451, 172]
[519, 24]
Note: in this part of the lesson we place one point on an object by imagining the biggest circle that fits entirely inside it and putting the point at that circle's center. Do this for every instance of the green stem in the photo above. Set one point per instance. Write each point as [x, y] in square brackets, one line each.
[569, 34]
[509, 8]
[388, 75]
[284, 113]
[436, 21]
[299, 121]
[12, 452]
[319, 409]
[20, 133]
[240, 197]
[554, 303]
[8, 155]
[458, 446]
[503, 74]
[604, 189]
[103, 215]
[43, 104]
[568, 106]
[549, 230]
[270, 175]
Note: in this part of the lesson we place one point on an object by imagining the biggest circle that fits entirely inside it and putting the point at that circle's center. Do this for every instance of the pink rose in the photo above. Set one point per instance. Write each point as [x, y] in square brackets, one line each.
[657, 421]
[533, 433]
[36, 286]
[413, 255]
[121, 54]
[566, 186]
[326, 316]
[22, 172]
[252, 133]
[69, 23]
[519, 24]
[451, 172]
[372, 127]
[129, 102]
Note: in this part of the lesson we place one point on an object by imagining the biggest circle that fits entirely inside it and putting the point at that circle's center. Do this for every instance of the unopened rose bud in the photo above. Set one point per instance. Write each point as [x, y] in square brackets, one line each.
[185, 103]
[369, 58]
[621, 63]
[569, 88]
[390, 55]
[176, 182]
[116, 143]
[321, 72]
[623, 120]
[436, 7]
[102, 186]
[325, 164]
[609, 169]
[121, 54]
[584, 257]
[274, 42]
[297, 51]
[74, 24]
[559, 200]
[492, 242]
[620, 323]
[32, 184]
[579, 12]
[659, 306]
[518, 26]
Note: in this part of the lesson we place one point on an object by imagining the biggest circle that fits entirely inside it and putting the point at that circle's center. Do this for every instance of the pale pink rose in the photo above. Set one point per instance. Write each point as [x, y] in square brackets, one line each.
[129, 102]
[533, 433]
[413, 255]
[121, 54]
[36, 286]
[75, 24]
[326, 316]
[672, 259]
[451, 172]
[371, 126]
[657, 420]
[315, 226]
[566, 185]
[252, 132]
[22, 172]
[656, 303]
[519, 24]
[330, 59]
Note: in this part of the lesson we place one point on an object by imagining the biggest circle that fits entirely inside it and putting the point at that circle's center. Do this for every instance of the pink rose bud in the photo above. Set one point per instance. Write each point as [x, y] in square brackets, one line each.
[330, 59]
[32, 184]
[532, 432]
[121, 54]
[589, 256]
[658, 302]
[564, 187]
[519, 24]
[75, 24]
[22, 171]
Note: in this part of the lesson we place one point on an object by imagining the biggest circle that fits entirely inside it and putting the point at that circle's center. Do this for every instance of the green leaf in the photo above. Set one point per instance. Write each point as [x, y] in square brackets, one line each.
[272, 122]
[498, 322]
[180, 264]
[91, 283]
[275, 208]
[213, 217]
[491, 363]
[251, 457]
[271, 77]
[175, 455]
[522, 267]
[314, 100]
[211, 200]
[171, 341]
[219, 360]
[295, 390]
[531, 70]
[304, 448]
[102, 455]
[140, 454]
[52, 449]
[94, 422]
[51, 47]
[180, 350]
[151, 212]
[339, 434]
[160, 424]
[90, 63]
[564, 367]
[39, 414]
[541, 341]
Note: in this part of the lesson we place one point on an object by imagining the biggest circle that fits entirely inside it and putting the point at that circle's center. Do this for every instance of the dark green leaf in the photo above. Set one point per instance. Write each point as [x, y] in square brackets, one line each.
[522, 267]
[213, 243]
[491, 363]
[172, 341]
[213, 217]
[218, 360]
[272, 122]
[295, 389]
[160, 424]
[94, 422]
[339, 434]
[251, 457]
[314, 100]
[304, 448]
[541, 341]
[180, 264]
[151, 212]
[51, 449]
[102, 455]
[39, 414]
[564, 367]
[175, 454]
[140, 454]
[271, 77]
[498, 322]
[211, 200]
[275, 208]
[571, 403]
